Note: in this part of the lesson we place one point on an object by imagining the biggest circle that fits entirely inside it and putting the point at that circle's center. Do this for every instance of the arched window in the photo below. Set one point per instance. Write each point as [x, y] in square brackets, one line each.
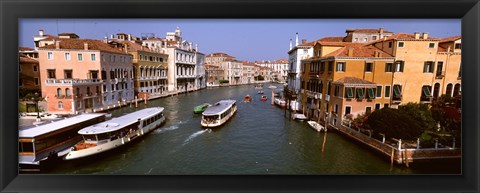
[456, 90]
[59, 92]
[436, 90]
[60, 105]
[449, 90]
[67, 92]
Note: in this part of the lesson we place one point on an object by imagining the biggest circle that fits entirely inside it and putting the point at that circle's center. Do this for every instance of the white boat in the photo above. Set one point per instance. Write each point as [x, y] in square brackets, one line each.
[219, 113]
[280, 102]
[116, 132]
[316, 126]
[299, 116]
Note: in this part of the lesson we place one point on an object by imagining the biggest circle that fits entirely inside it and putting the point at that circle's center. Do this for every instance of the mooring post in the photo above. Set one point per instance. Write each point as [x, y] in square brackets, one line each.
[436, 143]
[136, 101]
[453, 145]
[418, 143]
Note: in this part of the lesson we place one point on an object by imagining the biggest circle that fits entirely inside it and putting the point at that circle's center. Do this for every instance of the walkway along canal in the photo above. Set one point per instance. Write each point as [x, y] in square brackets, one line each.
[258, 139]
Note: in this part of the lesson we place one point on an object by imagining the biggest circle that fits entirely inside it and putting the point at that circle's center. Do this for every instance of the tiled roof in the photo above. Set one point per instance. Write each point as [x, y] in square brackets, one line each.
[449, 39]
[359, 50]
[50, 37]
[78, 44]
[367, 31]
[348, 80]
[332, 39]
[219, 54]
[24, 59]
[324, 43]
[25, 49]
[404, 36]
[307, 44]
[133, 47]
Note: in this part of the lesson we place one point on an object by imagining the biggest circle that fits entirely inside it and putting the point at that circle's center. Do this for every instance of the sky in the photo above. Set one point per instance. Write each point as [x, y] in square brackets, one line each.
[245, 39]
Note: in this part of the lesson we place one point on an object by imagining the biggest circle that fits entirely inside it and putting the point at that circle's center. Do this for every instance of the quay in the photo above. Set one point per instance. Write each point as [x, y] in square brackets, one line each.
[397, 153]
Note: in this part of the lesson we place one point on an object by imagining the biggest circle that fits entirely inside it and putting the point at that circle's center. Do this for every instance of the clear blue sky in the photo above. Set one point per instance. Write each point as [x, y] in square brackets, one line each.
[252, 39]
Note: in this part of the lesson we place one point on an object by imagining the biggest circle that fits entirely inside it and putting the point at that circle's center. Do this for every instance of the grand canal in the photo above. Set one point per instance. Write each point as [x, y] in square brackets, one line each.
[259, 139]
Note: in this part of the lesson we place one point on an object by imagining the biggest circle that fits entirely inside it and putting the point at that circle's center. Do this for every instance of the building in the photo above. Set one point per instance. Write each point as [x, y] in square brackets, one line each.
[218, 58]
[345, 79]
[29, 73]
[80, 75]
[214, 73]
[279, 69]
[365, 35]
[248, 73]
[233, 71]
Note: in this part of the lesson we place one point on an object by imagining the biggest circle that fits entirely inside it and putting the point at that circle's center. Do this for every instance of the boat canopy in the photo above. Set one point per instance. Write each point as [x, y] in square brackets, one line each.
[120, 122]
[219, 107]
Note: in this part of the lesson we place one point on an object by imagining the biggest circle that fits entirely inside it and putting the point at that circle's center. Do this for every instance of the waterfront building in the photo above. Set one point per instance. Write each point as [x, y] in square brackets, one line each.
[43, 39]
[233, 71]
[214, 74]
[80, 75]
[295, 55]
[29, 73]
[346, 79]
[248, 73]
[279, 68]
[217, 58]
[149, 70]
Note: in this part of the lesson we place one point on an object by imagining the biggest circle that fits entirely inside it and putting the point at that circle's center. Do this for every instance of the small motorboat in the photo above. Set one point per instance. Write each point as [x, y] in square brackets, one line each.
[281, 103]
[260, 92]
[264, 98]
[300, 117]
[316, 126]
[247, 99]
[200, 108]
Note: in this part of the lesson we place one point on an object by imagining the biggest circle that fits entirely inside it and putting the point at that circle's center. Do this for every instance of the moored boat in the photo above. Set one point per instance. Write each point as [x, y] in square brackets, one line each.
[280, 102]
[201, 108]
[116, 132]
[299, 116]
[219, 113]
[316, 126]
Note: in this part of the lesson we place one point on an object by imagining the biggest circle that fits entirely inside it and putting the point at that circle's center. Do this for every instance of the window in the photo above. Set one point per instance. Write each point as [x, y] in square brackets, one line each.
[456, 90]
[426, 92]
[330, 66]
[356, 39]
[67, 56]
[449, 89]
[397, 91]
[377, 106]
[401, 44]
[365, 39]
[340, 66]
[428, 67]
[431, 45]
[368, 67]
[458, 46]
[348, 92]
[80, 57]
[50, 55]
[93, 57]
[336, 109]
[439, 68]
[374, 37]
[348, 110]
[51, 73]
[36, 81]
[35, 68]
[379, 91]
[389, 67]
[389, 44]
[337, 90]
[59, 92]
[68, 74]
[387, 91]
[60, 105]
[399, 66]
[370, 93]
[67, 92]
[360, 93]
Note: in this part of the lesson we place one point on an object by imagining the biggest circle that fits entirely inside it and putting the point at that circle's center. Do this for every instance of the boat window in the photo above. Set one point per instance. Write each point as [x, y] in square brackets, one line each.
[25, 147]
[103, 136]
[89, 138]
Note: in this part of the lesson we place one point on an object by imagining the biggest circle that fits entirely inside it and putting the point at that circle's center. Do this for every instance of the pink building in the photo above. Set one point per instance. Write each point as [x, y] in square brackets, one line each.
[80, 75]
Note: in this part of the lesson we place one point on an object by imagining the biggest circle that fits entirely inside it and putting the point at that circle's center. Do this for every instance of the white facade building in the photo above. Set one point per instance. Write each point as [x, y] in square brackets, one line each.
[295, 56]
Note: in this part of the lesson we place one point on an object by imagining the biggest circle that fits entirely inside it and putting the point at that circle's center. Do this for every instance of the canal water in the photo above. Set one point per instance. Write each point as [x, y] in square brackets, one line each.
[259, 139]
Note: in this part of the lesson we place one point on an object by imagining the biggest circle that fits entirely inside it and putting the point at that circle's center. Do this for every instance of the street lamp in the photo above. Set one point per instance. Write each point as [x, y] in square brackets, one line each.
[36, 99]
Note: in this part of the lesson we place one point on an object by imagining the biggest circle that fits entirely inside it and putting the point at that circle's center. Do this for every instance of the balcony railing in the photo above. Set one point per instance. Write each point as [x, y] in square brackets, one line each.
[71, 81]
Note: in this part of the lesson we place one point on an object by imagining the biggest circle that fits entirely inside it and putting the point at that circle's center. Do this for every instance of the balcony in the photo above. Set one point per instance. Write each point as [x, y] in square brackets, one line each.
[65, 82]
[396, 99]
[440, 75]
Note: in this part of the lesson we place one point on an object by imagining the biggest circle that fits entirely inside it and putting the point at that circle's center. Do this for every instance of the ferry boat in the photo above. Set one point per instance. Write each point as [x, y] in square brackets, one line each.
[200, 108]
[247, 99]
[116, 132]
[219, 113]
[52, 140]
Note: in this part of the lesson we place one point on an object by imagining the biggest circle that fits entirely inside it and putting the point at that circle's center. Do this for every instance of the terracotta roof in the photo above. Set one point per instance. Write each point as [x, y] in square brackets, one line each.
[359, 50]
[78, 44]
[348, 80]
[133, 47]
[332, 39]
[307, 44]
[324, 43]
[50, 37]
[367, 30]
[441, 49]
[404, 36]
[25, 49]
[24, 59]
[450, 39]
[219, 54]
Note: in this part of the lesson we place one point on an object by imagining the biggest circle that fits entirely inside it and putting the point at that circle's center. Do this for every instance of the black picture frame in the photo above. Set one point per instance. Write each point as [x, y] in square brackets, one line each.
[11, 11]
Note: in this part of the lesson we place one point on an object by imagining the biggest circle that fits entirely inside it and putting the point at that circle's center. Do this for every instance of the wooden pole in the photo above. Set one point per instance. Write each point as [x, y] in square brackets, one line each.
[391, 159]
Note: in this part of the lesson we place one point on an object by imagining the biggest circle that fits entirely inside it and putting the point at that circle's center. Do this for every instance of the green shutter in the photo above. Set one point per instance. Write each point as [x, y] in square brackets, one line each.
[370, 93]
[349, 93]
[360, 93]
[396, 90]
[426, 91]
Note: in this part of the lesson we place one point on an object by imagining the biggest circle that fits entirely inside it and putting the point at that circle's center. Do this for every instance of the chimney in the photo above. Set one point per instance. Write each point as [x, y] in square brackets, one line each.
[105, 39]
[129, 37]
[290, 44]
[417, 35]
[85, 45]
[111, 36]
[424, 35]
[304, 41]
[126, 48]
[196, 47]
[57, 44]
[449, 49]
[350, 52]
[40, 33]
[296, 39]
[190, 45]
[381, 30]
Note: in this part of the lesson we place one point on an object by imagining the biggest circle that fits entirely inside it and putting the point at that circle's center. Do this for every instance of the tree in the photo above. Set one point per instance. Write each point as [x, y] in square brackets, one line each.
[394, 123]
[419, 112]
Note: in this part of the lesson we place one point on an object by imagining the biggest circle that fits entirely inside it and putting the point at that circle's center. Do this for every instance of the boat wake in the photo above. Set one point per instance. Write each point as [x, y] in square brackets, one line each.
[161, 130]
[196, 134]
